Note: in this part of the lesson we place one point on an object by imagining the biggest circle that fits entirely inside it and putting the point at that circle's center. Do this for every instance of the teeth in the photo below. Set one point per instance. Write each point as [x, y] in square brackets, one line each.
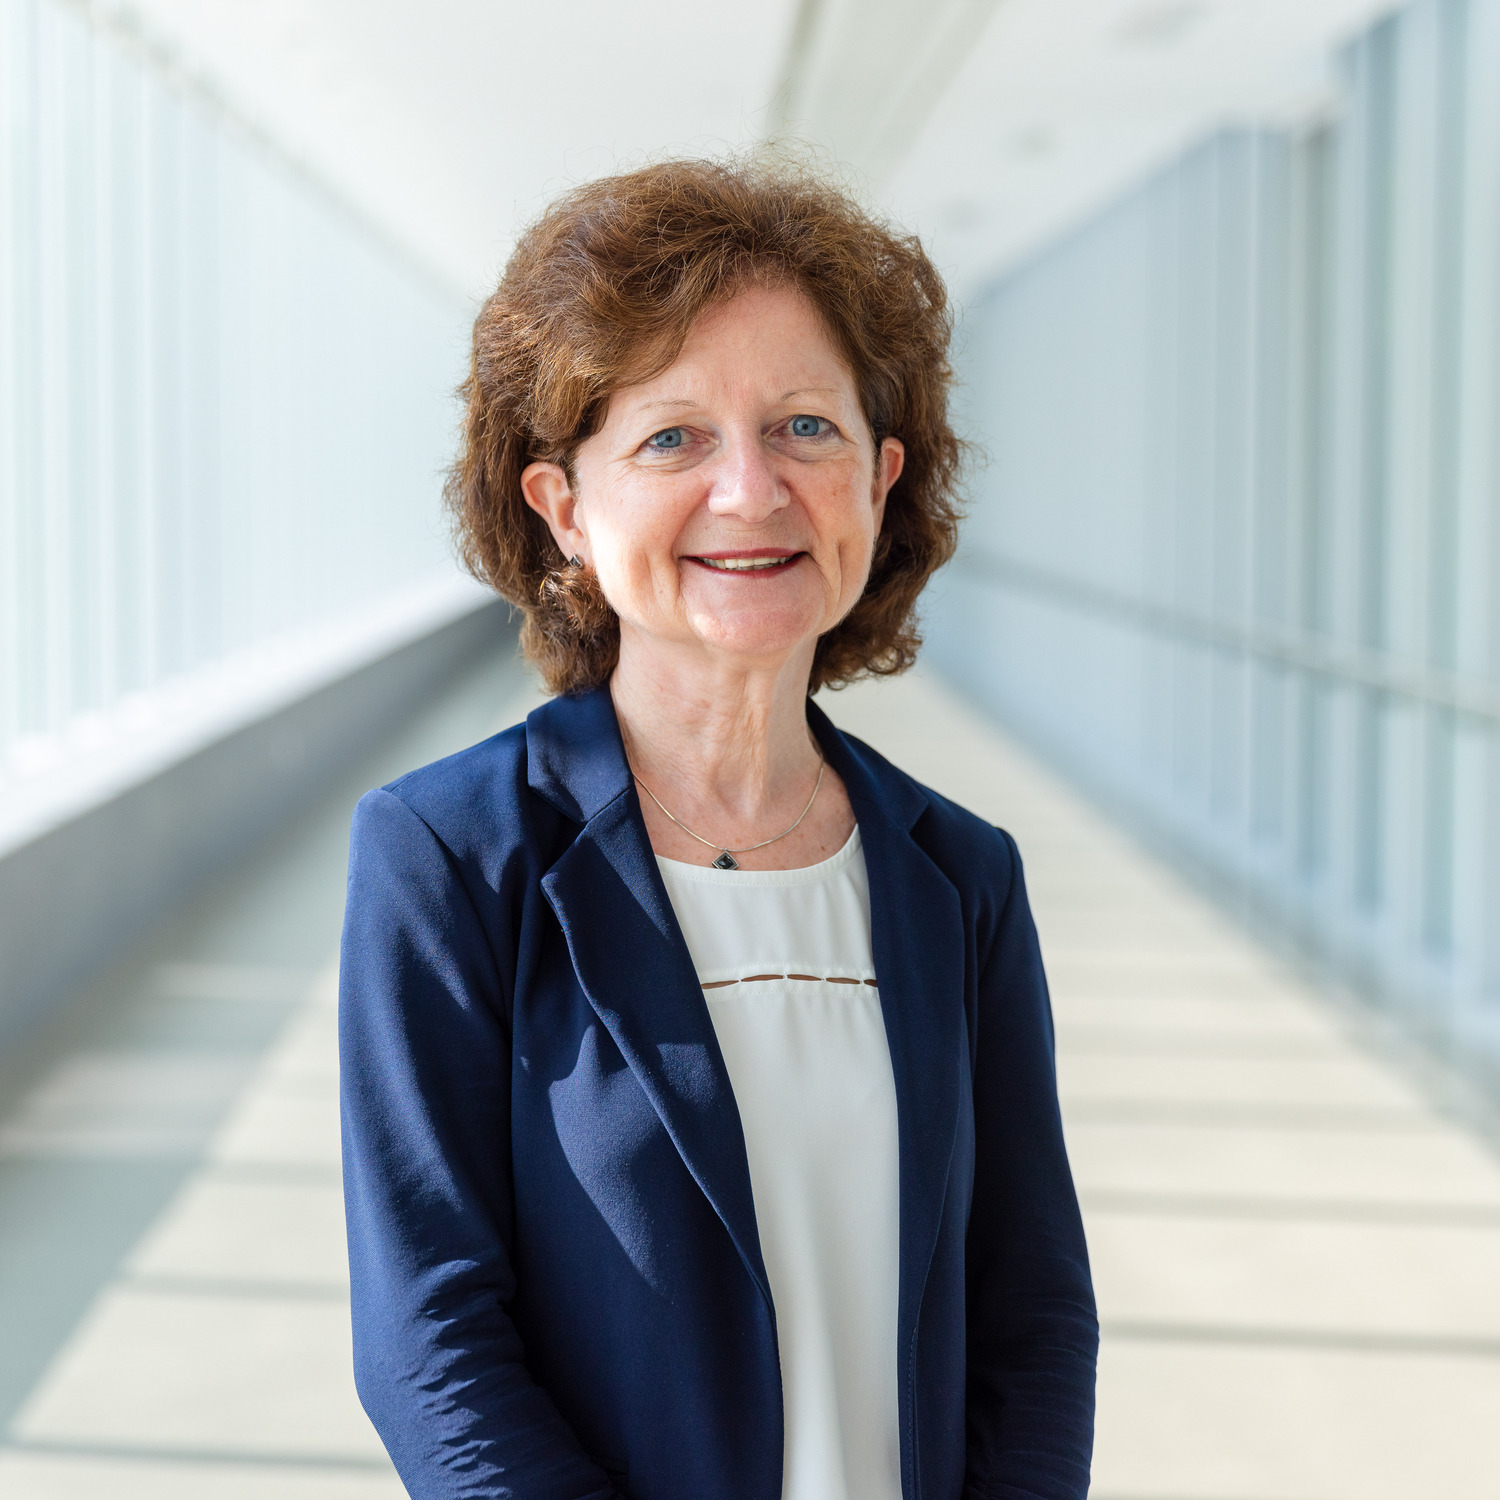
[743, 564]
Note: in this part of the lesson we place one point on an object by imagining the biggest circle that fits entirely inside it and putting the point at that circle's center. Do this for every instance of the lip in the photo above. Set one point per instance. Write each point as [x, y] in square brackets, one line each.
[768, 557]
[745, 552]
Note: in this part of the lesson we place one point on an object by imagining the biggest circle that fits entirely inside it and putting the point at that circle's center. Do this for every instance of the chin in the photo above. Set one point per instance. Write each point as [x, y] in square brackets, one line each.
[757, 640]
[767, 622]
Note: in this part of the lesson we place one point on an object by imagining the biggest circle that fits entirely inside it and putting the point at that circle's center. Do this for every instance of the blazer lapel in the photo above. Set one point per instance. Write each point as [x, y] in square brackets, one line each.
[917, 933]
[630, 957]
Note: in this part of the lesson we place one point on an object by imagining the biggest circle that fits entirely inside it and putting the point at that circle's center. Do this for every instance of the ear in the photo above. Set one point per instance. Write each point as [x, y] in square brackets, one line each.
[547, 491]
[888, 465]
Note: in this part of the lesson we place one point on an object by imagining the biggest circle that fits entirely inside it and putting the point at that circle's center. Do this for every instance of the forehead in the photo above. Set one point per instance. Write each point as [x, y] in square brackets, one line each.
[763, 340]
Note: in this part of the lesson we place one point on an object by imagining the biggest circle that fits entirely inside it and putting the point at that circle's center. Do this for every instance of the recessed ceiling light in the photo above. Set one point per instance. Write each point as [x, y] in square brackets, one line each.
[1160, 23]
[1035, 140]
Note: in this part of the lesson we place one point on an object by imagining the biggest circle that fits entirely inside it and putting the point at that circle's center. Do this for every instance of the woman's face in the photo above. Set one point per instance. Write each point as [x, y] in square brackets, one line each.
[732, 502]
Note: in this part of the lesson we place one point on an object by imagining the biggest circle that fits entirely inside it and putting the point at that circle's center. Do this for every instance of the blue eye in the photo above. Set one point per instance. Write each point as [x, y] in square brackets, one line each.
[669, 437]
[807, 426]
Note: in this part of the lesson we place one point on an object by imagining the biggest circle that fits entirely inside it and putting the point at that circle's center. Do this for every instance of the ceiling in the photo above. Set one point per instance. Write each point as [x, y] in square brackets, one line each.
[1061, 104]
[987, 125]
[451, 122]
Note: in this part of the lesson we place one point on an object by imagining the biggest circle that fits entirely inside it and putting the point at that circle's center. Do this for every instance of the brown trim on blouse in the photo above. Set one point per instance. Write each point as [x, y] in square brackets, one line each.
[719, 984]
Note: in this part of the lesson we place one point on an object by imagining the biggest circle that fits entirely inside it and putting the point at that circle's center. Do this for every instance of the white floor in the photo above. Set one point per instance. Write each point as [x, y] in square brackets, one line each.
[1298, 1262]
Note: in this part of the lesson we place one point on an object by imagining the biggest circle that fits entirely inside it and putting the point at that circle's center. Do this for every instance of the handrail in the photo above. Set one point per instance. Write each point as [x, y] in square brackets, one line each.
[1467, 696]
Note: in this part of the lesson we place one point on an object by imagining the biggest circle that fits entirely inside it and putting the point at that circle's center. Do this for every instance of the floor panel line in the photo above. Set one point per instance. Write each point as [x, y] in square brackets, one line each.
[240, 1457]
[1188, 1205]
[1342, 1340]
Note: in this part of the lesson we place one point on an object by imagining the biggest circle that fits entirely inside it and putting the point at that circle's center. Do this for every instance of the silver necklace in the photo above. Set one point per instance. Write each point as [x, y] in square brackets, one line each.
[726, 859]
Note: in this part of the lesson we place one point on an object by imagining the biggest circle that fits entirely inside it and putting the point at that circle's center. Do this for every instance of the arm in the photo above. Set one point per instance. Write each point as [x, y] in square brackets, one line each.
[425, 1082]
[1032, 1332]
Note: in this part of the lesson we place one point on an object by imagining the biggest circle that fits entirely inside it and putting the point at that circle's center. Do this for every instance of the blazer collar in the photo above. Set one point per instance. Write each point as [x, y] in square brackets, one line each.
[871, 781]
[575, 758]
[633, 964]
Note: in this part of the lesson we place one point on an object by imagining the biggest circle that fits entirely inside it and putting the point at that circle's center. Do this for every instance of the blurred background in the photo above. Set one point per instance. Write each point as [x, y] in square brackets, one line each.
[1221, 646]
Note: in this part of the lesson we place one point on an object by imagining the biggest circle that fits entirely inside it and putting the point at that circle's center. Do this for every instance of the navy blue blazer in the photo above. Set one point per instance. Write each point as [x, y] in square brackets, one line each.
[558, 1290]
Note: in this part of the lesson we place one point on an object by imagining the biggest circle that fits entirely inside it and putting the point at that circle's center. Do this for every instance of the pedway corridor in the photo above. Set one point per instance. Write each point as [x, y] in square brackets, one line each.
[1295, 1254]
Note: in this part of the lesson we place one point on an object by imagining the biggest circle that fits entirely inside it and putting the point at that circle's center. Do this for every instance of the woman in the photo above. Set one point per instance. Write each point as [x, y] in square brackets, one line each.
[700, 1128]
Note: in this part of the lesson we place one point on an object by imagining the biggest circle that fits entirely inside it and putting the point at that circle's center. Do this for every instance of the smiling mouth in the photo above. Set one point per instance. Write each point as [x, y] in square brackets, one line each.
[748, 564]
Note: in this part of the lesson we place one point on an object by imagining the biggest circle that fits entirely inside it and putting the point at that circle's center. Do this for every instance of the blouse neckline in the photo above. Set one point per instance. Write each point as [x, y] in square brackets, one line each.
[681, 870]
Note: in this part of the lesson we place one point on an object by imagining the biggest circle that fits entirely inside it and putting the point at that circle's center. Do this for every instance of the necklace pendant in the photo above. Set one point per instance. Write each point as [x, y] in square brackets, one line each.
[726, 861]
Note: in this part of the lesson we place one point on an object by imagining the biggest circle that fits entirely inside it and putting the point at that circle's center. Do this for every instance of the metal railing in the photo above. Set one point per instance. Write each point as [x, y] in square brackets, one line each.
[1295, 651]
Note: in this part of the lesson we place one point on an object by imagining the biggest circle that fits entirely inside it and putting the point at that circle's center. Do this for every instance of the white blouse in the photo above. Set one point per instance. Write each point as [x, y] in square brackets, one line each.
[785, 962]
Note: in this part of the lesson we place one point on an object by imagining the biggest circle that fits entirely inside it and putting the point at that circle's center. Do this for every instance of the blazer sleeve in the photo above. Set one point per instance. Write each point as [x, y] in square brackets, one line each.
[425, 1090]
[1032, 1331]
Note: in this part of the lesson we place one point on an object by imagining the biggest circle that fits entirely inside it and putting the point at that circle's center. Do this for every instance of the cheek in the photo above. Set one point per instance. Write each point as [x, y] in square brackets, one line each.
[633, 532]
[850, 518]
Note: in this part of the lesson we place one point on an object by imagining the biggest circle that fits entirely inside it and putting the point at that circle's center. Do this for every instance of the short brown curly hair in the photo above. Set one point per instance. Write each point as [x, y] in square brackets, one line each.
[601, 292]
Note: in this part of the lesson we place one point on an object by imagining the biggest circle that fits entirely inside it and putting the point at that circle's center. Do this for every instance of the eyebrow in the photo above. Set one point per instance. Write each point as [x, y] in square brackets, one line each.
[801, 390]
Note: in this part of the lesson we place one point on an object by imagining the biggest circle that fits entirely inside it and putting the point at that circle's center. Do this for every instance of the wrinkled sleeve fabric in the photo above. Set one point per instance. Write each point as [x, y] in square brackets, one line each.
[425, 1070]
[1031, 1326]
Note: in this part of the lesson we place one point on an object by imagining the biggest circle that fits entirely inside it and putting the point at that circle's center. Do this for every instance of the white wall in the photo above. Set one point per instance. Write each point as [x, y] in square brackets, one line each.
[1233, 558]
[224, 401]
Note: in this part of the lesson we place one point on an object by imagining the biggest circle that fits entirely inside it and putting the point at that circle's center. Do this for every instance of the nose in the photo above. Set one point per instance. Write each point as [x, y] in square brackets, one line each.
[746, 484]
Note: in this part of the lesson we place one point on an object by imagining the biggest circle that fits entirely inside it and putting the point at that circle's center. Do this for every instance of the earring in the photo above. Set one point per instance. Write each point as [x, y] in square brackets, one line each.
[575, 561]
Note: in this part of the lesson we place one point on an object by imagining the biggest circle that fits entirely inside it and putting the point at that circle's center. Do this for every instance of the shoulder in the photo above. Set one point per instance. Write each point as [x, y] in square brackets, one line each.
[523, 792]
[476, 804]
[464, 784]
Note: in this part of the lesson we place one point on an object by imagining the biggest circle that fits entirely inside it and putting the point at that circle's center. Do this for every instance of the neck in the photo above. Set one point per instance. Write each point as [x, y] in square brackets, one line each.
[721, 740]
